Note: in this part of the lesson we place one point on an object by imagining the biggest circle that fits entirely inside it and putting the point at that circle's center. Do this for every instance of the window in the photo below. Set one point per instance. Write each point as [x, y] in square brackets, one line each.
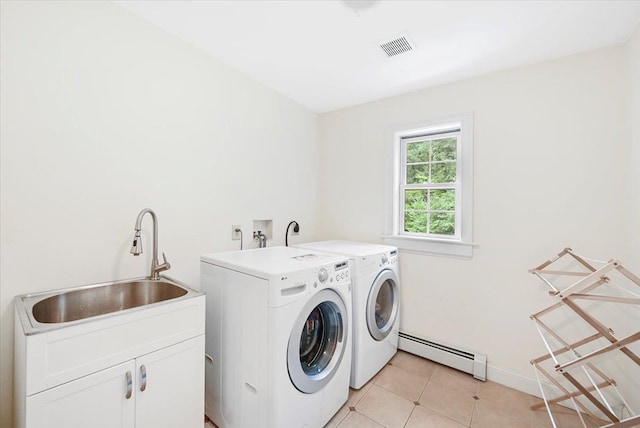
[430, 190]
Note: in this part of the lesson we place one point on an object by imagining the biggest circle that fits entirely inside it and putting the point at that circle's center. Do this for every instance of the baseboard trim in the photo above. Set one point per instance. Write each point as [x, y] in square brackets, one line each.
[513, 380]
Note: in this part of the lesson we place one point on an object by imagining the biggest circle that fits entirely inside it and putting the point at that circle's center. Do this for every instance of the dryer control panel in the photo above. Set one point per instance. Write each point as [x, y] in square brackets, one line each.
[389, 258]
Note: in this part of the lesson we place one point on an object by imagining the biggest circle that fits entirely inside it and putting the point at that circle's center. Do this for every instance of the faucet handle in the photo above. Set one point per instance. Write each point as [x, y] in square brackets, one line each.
[156, 268]
[164, 257]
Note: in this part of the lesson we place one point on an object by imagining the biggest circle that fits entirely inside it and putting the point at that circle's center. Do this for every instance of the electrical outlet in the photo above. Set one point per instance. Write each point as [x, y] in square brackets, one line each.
[235, 236]
[293, 232]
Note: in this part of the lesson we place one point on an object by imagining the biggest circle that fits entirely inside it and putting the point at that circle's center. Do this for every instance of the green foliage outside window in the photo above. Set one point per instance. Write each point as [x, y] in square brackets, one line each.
[430, 210]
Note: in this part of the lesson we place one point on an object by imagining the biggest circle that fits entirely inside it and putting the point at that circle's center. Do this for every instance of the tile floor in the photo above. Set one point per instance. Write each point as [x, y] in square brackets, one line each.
[412, 392]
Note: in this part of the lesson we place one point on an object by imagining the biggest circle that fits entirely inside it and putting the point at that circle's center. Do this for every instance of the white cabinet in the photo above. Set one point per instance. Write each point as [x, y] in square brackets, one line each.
[97, 400]
[78, 377]
[162, 389]
[174, 388]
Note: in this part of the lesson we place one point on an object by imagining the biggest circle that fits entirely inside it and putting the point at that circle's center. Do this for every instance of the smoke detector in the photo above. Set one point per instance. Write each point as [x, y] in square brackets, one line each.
[396, 46]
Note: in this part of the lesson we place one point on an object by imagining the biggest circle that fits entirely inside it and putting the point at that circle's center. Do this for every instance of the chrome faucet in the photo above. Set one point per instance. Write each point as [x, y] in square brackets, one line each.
[262, 239]
[136, 248]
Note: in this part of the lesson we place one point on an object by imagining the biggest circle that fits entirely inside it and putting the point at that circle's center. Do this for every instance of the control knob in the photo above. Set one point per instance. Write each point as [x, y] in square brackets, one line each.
[323, 275]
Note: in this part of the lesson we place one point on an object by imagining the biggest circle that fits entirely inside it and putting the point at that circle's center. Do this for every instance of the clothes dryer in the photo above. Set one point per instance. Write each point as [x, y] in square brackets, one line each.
[278, 337]
[376, 304]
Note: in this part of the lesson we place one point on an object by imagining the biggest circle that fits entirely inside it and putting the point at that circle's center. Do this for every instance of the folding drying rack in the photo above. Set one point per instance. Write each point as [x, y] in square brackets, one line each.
[571, 367]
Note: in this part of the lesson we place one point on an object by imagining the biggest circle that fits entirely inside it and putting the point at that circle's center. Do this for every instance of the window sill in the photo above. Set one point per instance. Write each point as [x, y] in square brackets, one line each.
[430, 246]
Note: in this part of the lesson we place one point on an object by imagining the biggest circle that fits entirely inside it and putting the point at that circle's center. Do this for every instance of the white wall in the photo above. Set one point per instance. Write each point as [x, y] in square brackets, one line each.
[550, 142]
[632, 234]
[103, 115]
[633, 158]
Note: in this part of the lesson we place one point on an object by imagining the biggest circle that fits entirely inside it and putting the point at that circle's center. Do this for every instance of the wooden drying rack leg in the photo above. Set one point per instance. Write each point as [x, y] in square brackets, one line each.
[567, 395]
[590, 397]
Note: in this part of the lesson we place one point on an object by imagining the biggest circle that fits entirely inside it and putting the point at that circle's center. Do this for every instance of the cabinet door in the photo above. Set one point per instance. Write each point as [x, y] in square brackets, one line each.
[97, 401]
[170, 386]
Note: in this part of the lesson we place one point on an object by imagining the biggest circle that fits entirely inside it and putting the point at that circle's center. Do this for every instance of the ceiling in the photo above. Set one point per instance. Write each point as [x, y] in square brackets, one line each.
[325, 54]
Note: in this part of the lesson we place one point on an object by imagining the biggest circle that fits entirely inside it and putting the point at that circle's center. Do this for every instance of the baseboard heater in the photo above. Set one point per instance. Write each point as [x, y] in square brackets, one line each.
[466, 361]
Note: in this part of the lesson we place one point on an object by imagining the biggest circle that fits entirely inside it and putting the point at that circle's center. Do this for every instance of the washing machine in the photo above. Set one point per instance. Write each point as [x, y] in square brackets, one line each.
[278, 337]
[376, 304]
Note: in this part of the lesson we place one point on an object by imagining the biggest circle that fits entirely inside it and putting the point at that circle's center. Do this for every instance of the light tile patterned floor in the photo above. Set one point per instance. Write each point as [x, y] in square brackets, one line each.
[412, 392]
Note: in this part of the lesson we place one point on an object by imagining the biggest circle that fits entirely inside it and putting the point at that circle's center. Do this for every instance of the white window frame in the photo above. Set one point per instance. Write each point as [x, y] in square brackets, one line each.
[461, 244]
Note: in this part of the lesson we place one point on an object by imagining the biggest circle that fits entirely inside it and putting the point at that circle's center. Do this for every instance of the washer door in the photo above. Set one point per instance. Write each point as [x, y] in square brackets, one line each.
[382, 304]
[317, 342]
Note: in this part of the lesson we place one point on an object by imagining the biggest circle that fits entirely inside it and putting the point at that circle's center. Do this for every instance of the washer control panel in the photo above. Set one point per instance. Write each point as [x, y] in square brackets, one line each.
[342, 271]
[333, 274]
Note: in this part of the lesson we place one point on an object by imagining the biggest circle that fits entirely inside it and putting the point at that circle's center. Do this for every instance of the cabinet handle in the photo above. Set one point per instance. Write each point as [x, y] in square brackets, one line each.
[143, 377]
[129, 385]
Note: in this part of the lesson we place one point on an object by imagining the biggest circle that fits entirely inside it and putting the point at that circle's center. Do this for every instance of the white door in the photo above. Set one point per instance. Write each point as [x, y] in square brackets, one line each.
[101, 400]
[170, 386]
[382, 304]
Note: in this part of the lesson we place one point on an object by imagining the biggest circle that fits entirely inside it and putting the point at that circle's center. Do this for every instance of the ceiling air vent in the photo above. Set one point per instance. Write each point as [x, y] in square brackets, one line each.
[396, 46]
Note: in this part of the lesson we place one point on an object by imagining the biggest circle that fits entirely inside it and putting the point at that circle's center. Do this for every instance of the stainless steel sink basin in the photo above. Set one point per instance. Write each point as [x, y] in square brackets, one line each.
[90, 302]
[45, 311]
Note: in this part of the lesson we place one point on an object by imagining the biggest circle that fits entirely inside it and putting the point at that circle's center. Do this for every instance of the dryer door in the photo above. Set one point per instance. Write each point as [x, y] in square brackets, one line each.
[317, 342]
[382, 304]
